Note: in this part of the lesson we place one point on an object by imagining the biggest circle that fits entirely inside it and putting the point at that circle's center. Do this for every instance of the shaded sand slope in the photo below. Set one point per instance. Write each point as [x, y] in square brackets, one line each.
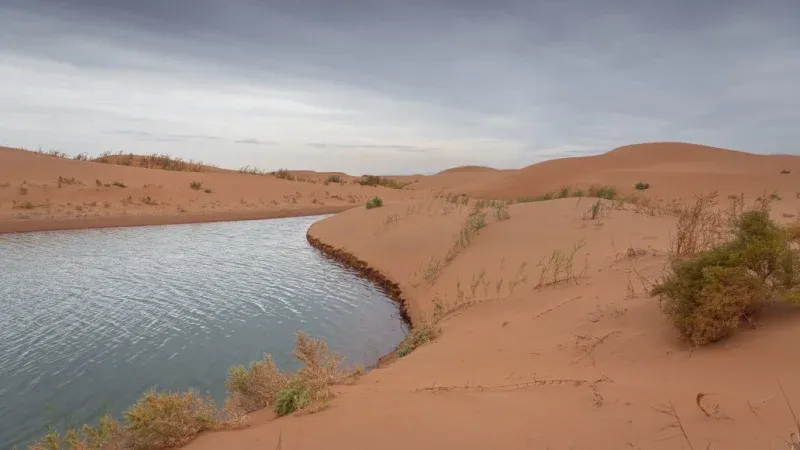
[580, 365]
[672, 169]
[31, 199]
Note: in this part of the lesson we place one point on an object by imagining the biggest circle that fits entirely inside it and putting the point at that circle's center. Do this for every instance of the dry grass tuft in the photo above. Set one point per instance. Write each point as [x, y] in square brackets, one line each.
[255, 387]
[67, 181]
[171, 419]
[559, 267]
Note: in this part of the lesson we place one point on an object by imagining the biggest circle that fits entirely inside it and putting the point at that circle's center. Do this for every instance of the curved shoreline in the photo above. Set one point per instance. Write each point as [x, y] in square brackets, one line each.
[389, 287]
[24, 226]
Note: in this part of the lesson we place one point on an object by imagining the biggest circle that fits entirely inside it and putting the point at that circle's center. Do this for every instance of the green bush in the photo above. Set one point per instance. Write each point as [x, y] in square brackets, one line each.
[708, 294]
[290, 399]
[376, 202]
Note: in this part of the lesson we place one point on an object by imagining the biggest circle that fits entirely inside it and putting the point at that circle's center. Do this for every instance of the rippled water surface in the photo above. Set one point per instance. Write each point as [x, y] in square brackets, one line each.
[90, 319]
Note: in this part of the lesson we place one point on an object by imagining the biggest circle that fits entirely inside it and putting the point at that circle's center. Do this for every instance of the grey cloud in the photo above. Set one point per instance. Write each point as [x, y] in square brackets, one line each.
[545, 78]
[399, 148]
[253, 141]
[144, 135]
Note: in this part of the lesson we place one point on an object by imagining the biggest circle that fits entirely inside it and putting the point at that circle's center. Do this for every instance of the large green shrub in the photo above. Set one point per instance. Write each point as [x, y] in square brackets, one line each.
[709, 293]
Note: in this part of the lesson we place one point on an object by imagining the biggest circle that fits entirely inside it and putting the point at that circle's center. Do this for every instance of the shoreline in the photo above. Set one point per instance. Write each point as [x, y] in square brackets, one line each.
[390, 288]
[37, 225]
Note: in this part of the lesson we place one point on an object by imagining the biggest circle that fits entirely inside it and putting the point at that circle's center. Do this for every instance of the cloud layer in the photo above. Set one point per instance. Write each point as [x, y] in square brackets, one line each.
[373, 86]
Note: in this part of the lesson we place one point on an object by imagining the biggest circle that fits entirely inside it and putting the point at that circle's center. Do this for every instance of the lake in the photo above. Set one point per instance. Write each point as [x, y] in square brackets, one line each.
[90, 319]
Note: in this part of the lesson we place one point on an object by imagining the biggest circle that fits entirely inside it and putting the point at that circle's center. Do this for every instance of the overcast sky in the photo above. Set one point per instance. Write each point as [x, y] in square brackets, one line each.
[397, 86]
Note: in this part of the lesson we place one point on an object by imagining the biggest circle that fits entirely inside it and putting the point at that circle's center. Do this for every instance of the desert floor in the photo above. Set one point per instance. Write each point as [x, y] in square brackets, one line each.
[587, 363]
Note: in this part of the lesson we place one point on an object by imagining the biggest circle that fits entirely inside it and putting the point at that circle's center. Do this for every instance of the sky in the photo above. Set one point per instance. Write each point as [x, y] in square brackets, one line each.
[410, 86]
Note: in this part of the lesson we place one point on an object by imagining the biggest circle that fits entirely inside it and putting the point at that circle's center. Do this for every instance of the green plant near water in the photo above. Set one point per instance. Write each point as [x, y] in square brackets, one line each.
[375, 202]
[160, 420]
[707, 294]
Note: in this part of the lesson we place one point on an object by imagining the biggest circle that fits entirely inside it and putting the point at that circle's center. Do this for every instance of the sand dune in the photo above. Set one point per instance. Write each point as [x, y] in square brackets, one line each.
[471, 169]
[92, 194]
[672, 169]
[586, 364]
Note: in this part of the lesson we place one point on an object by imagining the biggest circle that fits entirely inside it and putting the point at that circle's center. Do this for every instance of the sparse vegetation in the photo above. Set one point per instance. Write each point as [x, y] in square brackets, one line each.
[640, 186]
[118, 184]
[283, 174]
[786, 171]
[67, 181]
[720, 277]
[253, 170]
[373, 180]
[147, 200]
[22, 205]
[196, 185]
[171, 419]
[376, 202]
[23, 190]
[152, 161]
[501, 212]
[333, 179]
[606, 192]
[560, 267]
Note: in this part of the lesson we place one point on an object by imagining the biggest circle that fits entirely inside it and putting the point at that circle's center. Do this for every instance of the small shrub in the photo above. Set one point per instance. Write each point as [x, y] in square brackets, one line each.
[333, 179]
[196, 185]
[147, 200]
[208, 191]
[476, 221]
[170, 419]
[642, 186]
[119, 184]
[376, 202]
[22, 205]
[23, 190]
[283, 174]
[501, 212]
[786, 171]
[67, 181]
[257, 386]
[290, 400]
[595, 210]
[98, 183]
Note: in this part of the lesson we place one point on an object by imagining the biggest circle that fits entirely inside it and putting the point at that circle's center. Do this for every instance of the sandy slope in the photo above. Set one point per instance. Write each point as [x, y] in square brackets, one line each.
[31, 199]
[578, 366]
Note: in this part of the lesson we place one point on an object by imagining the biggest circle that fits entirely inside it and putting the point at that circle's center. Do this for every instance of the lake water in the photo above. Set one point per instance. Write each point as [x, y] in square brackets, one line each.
[90, 319]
